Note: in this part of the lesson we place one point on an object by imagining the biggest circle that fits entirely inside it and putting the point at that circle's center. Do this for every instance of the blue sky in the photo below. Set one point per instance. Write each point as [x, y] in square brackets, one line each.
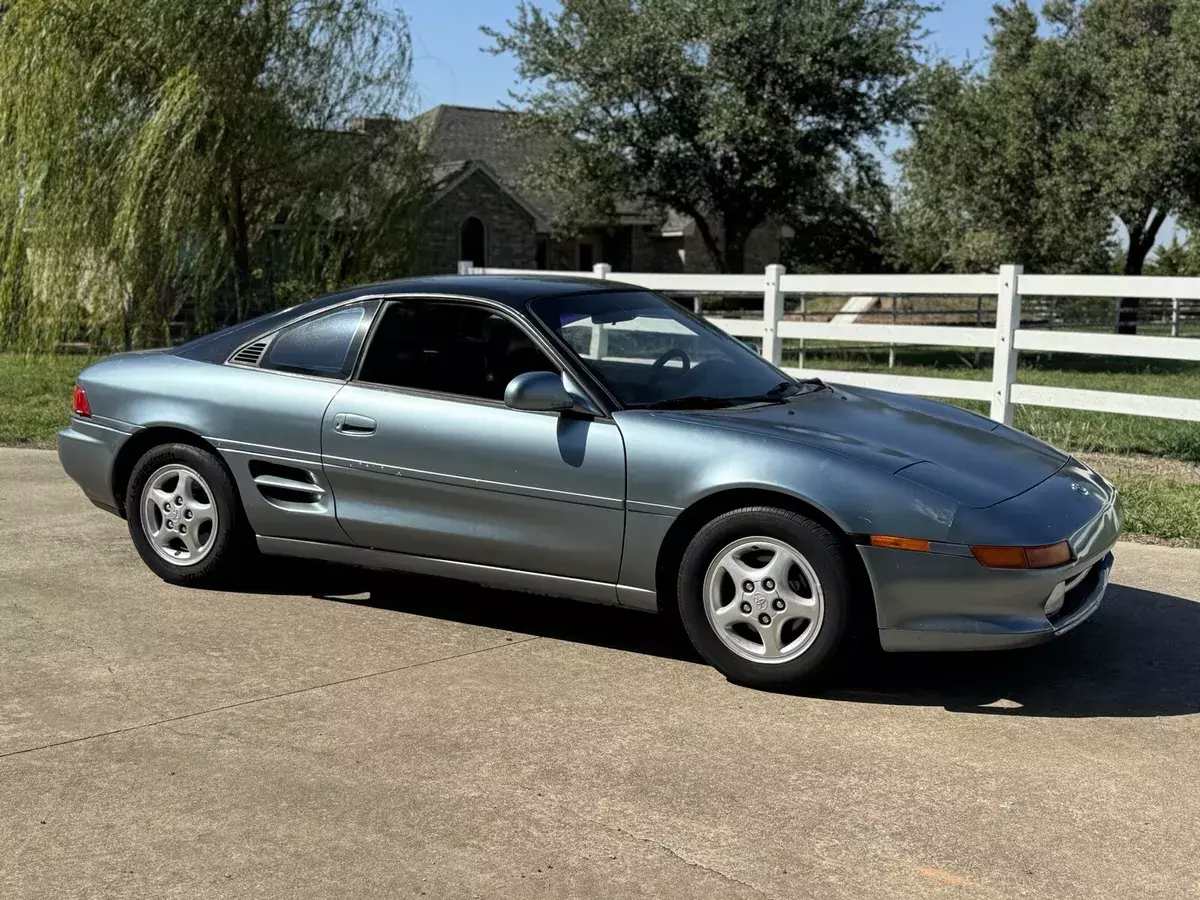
[451, 67]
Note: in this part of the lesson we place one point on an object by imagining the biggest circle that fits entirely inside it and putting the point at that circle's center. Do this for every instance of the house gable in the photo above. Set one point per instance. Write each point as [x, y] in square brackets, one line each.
[510, 227]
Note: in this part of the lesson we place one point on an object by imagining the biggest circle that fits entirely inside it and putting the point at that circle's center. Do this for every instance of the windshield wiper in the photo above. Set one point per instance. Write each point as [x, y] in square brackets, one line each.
[694, 402]
[782, 388]
[776, 395]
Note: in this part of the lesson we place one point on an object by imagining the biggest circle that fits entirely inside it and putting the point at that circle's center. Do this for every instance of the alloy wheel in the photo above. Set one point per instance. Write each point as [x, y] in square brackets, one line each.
[764, 600]
[178, 515]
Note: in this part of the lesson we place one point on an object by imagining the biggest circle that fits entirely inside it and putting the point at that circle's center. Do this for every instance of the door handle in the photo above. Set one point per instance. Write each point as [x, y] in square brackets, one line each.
[351, 424]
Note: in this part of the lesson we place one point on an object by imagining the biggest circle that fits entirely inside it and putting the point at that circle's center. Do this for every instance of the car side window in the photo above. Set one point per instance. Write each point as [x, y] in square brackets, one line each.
[318, 346]
[450, 348]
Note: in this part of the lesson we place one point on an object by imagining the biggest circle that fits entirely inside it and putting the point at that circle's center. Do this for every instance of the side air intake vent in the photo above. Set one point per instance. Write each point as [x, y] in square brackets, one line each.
[250, 355]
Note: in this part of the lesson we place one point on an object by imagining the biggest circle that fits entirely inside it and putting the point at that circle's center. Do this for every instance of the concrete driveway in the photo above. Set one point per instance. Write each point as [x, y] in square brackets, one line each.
[337, 734]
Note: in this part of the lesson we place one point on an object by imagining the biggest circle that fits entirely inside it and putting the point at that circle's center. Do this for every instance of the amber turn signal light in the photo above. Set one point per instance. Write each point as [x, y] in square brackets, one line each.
[1046, 557]
[899, 543]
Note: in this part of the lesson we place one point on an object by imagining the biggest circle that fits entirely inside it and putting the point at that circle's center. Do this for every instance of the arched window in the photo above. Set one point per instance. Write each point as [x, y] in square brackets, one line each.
[473, 239]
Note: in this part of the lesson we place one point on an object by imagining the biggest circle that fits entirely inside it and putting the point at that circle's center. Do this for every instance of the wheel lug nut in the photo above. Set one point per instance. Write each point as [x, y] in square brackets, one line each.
[748, 586]
[170, 527]
[187, 513]
[746, 608]
[179, 501]
[166, 507]
[765, 619]
[183, 529]
[768, 584]
[779, 605]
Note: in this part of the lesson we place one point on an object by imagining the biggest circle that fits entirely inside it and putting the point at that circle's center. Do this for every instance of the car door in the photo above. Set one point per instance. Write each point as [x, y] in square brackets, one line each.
[424, 458]
[263, 411]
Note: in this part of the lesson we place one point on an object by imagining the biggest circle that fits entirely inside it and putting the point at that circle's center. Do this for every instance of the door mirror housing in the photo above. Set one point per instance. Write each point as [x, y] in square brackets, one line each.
[540, 392]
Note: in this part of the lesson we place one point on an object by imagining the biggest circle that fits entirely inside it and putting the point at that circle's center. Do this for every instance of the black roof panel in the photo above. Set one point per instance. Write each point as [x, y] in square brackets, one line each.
[512, 290]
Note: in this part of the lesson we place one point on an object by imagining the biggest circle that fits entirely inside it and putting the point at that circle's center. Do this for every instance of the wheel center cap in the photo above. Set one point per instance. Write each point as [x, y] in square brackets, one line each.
[760, 600]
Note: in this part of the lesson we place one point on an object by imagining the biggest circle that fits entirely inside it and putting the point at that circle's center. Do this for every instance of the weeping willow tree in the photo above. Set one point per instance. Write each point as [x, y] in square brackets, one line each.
[159, 156]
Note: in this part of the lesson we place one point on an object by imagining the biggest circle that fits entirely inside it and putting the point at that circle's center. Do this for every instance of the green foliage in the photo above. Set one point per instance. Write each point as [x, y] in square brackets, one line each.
[1176, 258]
[842, 226]
[1091, 118]
[156, 155]
[734, 112]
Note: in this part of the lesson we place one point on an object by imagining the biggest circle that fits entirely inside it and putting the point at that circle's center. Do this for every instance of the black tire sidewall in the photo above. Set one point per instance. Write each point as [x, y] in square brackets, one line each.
[231, 528]
[824, 552]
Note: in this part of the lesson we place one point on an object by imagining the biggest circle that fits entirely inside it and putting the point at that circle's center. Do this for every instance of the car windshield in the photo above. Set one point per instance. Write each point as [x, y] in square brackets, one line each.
[651, 354]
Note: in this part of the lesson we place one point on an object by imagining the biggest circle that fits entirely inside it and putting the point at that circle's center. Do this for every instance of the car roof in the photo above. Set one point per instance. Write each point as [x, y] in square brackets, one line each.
[513, 291]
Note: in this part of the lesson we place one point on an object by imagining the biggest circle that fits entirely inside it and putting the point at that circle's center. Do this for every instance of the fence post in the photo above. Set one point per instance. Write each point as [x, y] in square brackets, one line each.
[465, 266]
[895, 319]
[1175, 317]
[1004, 366]
[599, 345]
[978, 324]
[772, 348]
[803, 318]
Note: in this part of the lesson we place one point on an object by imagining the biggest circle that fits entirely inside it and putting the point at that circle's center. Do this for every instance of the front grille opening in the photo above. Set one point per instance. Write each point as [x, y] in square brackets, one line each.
[1077, 596]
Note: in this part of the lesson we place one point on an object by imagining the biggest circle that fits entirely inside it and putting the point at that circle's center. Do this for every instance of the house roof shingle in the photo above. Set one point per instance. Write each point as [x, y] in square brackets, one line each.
[454, 135]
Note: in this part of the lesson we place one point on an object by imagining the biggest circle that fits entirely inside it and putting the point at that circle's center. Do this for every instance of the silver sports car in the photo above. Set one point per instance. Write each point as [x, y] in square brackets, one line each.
[593, 441]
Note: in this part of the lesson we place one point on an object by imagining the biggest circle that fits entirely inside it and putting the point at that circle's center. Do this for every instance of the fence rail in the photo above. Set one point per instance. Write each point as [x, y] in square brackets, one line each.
[1007, 339]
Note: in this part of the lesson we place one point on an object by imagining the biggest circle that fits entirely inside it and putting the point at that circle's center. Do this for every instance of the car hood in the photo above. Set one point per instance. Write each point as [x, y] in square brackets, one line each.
[964, 456]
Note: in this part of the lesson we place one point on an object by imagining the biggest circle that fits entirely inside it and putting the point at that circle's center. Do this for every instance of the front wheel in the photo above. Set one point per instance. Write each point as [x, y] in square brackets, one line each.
[764, 595]
[184, 516]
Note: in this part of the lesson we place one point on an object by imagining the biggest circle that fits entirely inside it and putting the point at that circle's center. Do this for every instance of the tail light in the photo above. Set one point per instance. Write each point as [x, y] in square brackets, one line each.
[79, 402]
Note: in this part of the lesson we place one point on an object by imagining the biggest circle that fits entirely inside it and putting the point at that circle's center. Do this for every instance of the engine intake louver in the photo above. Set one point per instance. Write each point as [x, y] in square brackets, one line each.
[250, 355]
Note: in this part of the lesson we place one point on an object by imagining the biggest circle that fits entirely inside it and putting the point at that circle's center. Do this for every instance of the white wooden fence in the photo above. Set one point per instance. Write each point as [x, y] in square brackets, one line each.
[1007, 339]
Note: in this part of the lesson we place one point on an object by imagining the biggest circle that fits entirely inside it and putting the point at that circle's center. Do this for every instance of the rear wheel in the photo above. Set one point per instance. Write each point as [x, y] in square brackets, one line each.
[764, 595]
[184, 516]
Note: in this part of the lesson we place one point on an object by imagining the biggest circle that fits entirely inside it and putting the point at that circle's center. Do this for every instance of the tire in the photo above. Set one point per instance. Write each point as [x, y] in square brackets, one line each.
[221, 539]
[809, 617]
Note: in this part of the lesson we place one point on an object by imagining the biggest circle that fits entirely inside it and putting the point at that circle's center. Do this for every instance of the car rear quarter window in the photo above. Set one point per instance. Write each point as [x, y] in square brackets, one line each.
[317, 346]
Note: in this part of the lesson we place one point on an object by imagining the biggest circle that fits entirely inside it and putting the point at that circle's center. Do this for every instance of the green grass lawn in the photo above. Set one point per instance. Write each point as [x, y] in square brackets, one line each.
[1162, 503]
[1160, 508]
[35, 397]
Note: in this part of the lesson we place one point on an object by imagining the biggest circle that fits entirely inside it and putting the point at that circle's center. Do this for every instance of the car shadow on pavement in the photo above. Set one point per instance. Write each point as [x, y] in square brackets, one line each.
[1139, 656]
[419, 595]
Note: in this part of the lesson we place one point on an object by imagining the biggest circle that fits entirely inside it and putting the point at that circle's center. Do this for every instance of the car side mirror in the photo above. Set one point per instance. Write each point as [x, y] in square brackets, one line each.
[540, 392]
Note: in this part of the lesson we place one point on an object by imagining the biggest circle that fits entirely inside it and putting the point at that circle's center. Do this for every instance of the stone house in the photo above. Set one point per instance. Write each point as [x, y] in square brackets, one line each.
[480, 212]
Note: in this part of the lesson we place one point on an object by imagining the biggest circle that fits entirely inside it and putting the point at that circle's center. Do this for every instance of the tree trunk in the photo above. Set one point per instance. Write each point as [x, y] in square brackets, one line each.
[710, 240]
[735, 253]
[233, 215]
[1142, 239]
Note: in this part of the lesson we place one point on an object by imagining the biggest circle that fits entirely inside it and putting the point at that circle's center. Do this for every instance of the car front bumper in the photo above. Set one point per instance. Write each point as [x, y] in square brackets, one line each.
[87, 450]
[946, 602]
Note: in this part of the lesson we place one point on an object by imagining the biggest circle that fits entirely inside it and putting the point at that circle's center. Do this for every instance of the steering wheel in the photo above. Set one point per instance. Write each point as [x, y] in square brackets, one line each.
[661, 362]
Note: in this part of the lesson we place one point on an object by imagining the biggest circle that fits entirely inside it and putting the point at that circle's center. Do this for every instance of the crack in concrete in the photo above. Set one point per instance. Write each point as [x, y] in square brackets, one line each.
[316, 687]
[671, 850]
[117, 681]
[66, 636]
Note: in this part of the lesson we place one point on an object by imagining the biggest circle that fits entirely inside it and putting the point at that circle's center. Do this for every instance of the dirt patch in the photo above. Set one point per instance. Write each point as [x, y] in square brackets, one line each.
[1154, 540]
[1116, 466]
